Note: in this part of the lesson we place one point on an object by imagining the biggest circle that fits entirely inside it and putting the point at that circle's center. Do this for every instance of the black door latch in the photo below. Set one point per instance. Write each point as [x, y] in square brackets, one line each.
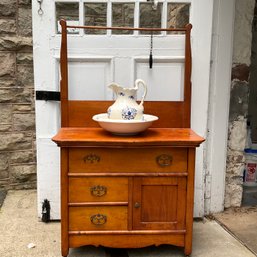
[48, 95]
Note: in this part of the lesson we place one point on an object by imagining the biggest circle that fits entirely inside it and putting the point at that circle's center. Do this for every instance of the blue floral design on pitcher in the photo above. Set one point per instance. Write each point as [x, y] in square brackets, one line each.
[128, 113]
[109, 112]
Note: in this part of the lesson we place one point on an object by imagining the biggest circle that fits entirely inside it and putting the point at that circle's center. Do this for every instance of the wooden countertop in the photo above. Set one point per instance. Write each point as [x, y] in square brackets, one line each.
[79, 137]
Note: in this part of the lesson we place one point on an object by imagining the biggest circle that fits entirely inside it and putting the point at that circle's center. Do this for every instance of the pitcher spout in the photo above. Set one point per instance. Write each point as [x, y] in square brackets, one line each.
[114, 87]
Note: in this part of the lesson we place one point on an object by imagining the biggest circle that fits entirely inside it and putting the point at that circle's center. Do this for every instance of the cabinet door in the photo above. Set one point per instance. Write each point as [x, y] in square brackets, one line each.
[159, 203]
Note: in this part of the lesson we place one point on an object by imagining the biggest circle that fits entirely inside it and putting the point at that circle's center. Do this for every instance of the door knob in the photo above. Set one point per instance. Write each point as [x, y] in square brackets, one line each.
[137, 205]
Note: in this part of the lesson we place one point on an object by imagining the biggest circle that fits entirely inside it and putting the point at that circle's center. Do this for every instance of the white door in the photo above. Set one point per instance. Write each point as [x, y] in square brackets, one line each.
[95, 60]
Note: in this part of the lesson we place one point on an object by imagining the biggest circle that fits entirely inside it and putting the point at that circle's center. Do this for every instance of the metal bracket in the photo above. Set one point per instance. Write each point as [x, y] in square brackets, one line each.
[154, 4]
[40, 10]
[48, 95]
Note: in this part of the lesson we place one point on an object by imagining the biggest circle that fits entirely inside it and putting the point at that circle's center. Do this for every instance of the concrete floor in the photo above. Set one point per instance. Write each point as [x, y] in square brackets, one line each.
[19, 226]
[242, 222]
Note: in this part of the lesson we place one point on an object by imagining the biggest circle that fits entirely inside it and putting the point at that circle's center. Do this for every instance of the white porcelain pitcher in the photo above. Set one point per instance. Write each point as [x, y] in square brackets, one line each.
[125, 106]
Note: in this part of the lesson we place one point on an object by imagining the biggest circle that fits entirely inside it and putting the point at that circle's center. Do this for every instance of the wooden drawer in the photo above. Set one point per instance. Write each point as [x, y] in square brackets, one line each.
[155, 159]
[98, 218]
[98, 189]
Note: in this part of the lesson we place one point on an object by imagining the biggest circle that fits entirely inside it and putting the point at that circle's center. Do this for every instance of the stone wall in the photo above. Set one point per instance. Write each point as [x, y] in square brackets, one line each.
[17, 115]
[237, 132]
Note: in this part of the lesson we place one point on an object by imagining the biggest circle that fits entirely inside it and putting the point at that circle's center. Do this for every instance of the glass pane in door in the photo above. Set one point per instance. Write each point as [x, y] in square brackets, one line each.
[95, 15]
[178, 15]
[150, 17]
[68, 12]
[123, 16]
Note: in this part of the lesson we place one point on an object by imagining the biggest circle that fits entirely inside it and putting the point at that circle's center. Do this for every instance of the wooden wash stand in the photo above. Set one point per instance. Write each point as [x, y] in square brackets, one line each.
[126, 192]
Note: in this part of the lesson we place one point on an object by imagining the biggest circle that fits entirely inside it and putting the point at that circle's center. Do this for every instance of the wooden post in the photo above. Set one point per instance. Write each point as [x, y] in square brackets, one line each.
[64, 76]
[187, 76]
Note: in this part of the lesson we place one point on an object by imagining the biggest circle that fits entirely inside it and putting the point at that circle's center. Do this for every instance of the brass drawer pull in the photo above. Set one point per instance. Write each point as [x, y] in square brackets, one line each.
[98, 190]
[91, 158]
[98, 219]
[164, 160]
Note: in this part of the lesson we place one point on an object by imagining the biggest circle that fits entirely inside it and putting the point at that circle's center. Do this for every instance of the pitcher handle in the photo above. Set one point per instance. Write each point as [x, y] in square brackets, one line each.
[140, 81]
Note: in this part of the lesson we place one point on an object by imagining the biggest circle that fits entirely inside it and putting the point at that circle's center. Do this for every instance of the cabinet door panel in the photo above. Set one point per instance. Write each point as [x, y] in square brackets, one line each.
[159, 203]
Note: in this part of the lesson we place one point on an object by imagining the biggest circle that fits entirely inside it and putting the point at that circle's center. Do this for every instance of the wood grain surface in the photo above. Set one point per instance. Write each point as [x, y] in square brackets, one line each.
[151, 137]
[80, 218]
[127, 159]
[80, 189]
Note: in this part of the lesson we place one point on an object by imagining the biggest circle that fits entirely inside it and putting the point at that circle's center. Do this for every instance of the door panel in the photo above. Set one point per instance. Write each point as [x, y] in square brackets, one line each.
[88, 79]
[166, 76]
[159, 203]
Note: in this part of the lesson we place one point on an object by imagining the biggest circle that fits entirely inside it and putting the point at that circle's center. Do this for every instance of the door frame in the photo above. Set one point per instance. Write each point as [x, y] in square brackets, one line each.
[219, 99]
[201, 56]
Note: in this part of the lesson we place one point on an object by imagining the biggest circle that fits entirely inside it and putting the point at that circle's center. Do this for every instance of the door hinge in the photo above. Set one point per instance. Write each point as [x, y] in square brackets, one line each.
[48, 95]
[207, 191]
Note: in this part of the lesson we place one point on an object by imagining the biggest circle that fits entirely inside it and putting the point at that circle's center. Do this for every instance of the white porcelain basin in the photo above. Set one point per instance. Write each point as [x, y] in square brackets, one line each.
[124, 127]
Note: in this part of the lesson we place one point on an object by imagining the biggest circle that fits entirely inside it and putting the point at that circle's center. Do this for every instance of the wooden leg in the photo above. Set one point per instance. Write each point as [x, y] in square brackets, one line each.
[187, 251]
[65, 250]
[188, 243]
[64, 202]
[190, 202]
